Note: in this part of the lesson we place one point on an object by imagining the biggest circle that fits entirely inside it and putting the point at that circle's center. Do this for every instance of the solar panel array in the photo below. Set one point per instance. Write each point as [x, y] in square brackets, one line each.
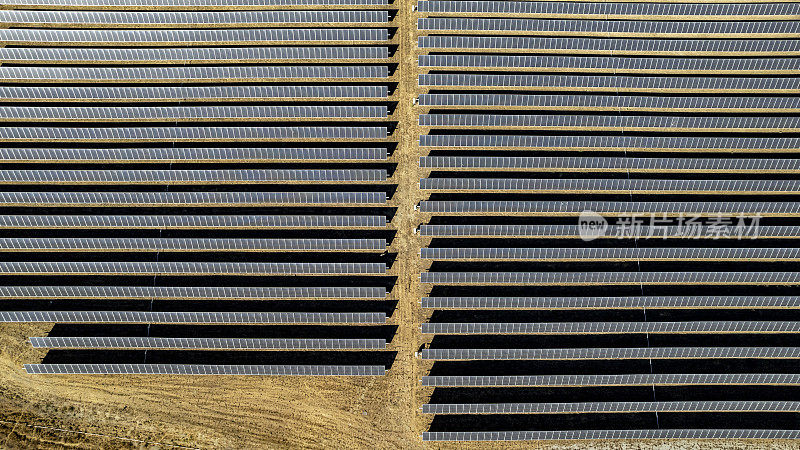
[609, 219]
[608, 64]
[190, 317]
[566, 435]
[208, 343]
[199, 187]
[610, 353]
[615, 380]
[656, 11]
[202, 369]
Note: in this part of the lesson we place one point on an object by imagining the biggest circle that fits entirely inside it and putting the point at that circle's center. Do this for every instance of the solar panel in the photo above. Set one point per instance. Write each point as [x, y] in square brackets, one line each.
[613, 83]
[609, 28]
[661, 433]
[590, 303]
[574, 208]
[159, 101]
[614, 186]
[192, 317]
[189, 155]
[188, 268]
[186, 19]
[188, 134]
[609, 407]
[615, 64]
[194, 74]
[614, 9]
[614, 123]
[208, 343]
[606, 254]
[195, 55]
[186, 113]
[647, 379]
[186, 4]
[46, 37]
[196, 93]
[613, 231]
[201, 369]
[189, 244]
[203, 177]
[612, 103]
[697, 327]
[518, 101]
[612, 278]
[612, 164]
[198, 222]
[457, 354]
[190, 293]
[226, 199]
[613, 143]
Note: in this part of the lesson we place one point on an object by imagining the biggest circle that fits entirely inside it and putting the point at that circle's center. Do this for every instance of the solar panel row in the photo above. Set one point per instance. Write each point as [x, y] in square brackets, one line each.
[190, 155]
[189, 244]
[188, 37]
[613, 142]
[574, 208]
[208, 343]
[188, 19]
[152, 177]
[614, 64]
[716, 11]
[618, 123]
[610, 28]
[651, 302]
[190, 293]
[191, 222]
[201, 369]
[736, 231]
[615, 353]
[139, 135]
[613, 83]
[603, 102]
[648, 379]
[608, 407]
[196, 74]
[562, 435]
[192, 317]
[198, 93]
[617, 164]
[604, 185]
[186, 4]
[704, 327]
[188, 268]
[186, 113]
[185, 55]
[611, 278]
[226, 199]
[605, 254]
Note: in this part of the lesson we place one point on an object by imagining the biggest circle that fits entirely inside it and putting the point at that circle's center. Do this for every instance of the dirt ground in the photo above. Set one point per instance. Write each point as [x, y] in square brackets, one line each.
[261, 412]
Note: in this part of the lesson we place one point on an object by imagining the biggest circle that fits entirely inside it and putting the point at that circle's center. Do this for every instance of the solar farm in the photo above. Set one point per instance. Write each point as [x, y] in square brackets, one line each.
[399, 224]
